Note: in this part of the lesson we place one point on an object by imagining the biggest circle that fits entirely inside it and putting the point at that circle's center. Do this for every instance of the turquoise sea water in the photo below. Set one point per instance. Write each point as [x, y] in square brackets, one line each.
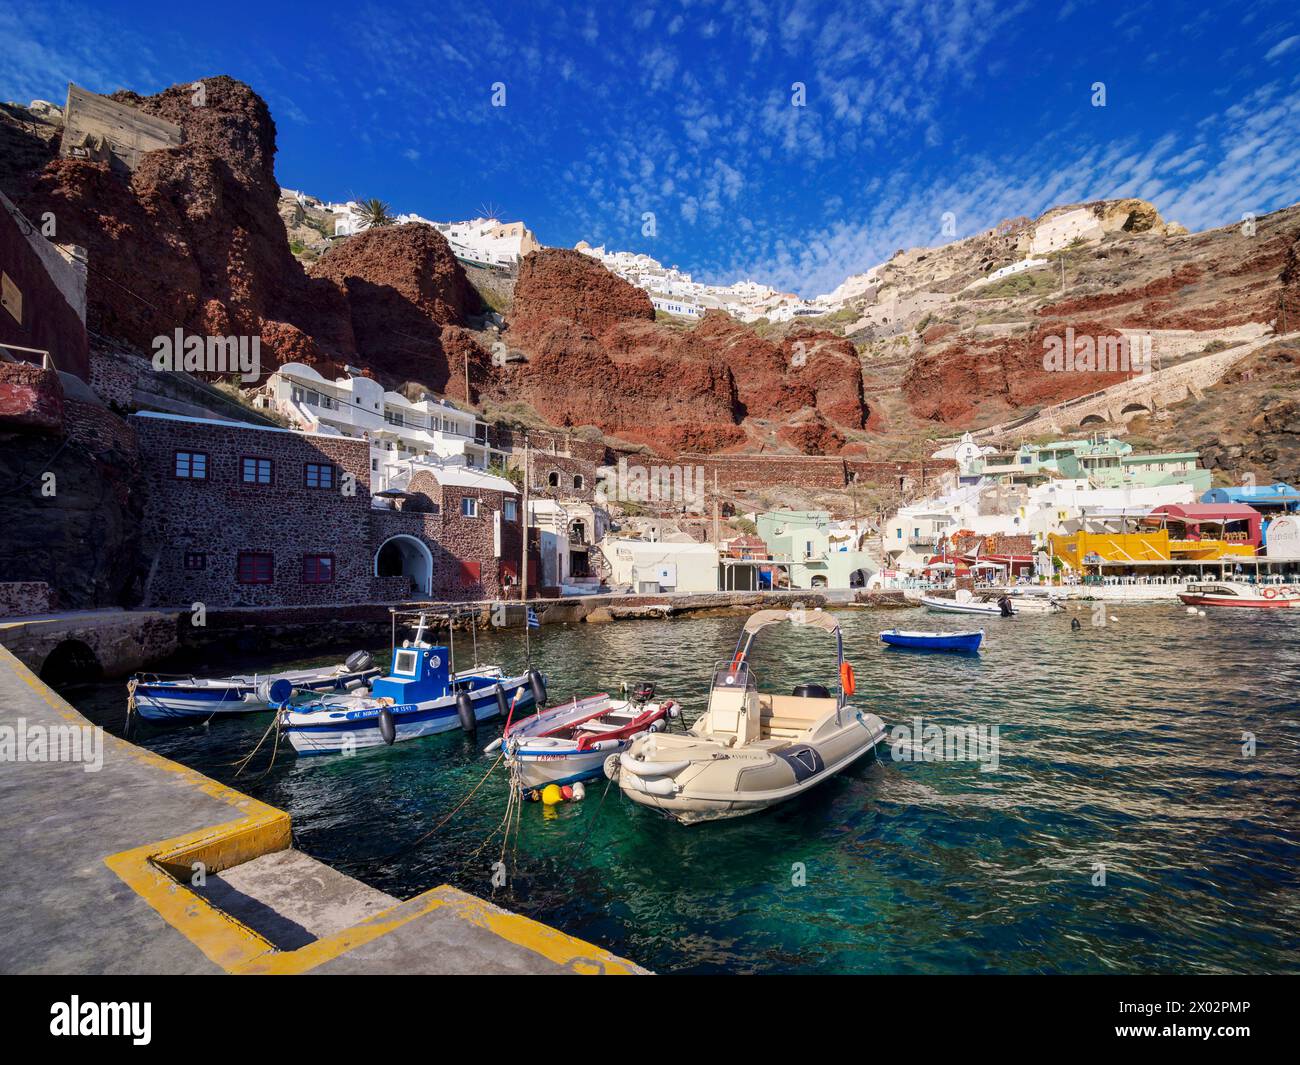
[1118, 746]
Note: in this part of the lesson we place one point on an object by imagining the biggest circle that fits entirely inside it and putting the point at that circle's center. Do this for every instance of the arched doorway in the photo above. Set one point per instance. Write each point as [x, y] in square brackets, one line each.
[406, 556]
[858, 578]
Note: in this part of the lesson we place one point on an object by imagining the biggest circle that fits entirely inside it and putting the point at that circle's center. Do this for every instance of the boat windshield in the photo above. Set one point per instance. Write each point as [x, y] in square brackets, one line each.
[729, 675]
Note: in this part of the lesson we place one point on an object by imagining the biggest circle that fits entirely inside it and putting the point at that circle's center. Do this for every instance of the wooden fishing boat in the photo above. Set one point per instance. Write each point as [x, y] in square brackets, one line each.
[181, 698]
[421, 695]
[968, 642]
[571, 741]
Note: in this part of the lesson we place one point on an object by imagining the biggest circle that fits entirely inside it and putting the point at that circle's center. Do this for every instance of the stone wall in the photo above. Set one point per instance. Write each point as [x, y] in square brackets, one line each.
[21, 598]
[547, 441]
[31, 398]
[812, 471]
[47, 292]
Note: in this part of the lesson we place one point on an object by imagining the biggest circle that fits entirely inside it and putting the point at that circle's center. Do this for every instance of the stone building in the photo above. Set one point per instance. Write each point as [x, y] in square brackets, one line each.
[244, 515]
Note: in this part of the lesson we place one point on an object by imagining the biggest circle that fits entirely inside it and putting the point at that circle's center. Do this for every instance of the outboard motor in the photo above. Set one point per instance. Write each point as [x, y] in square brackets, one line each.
[387, 726]
[538, 683]
[1004, 605]
[465, 711]
[358, 661]
[275, 691]
[643, 694]
[810, 691]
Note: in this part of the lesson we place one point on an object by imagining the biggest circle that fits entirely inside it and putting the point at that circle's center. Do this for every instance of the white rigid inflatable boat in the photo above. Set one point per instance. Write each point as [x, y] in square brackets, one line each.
[750, 750]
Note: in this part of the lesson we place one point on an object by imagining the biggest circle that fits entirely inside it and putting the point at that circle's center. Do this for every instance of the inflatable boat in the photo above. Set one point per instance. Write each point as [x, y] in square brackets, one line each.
[750, 750]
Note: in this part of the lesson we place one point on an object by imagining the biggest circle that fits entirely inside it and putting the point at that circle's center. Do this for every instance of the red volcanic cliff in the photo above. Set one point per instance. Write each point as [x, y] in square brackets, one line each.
[992, 377]
[193, 239]
[402, 286]
[596, 356]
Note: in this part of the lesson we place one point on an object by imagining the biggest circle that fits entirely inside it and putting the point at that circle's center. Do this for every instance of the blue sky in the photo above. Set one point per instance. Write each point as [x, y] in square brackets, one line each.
[684, 109]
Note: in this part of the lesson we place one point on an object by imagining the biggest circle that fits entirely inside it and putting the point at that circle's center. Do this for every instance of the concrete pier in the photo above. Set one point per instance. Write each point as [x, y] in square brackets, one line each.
[121, 861]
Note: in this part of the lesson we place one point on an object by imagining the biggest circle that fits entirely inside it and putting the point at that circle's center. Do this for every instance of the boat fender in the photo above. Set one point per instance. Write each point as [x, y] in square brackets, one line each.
[1074, 624]
[492, 747]
[579, 791]
[650, 769]
[606, 745]
[610, 767]
[358, 661]
[465, 711]
[502, 708]
[538, 683]
[387, 726]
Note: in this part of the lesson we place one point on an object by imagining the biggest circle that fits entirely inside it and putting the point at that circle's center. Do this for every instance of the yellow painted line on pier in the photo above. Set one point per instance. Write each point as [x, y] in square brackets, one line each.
[160, 873]
[559, 947]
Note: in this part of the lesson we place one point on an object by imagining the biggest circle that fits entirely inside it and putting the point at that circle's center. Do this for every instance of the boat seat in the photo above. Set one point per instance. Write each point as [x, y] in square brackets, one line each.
[600, 726]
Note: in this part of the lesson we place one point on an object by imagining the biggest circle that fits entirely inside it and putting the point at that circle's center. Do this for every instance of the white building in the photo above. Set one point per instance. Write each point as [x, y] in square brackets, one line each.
[676, 292]
[651, 568]
[566, 532]
[431, 432]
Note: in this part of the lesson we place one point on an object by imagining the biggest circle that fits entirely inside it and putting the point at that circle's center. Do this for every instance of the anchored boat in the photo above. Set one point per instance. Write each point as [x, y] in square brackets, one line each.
[1235, 593]
[750, 750]
[422, 694]
[968, 642]
[159, 699]
[1002, 606]
[571, 741]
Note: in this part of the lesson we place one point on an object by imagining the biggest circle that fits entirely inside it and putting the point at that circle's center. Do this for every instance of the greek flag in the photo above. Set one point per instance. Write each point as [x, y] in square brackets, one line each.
[533, 623]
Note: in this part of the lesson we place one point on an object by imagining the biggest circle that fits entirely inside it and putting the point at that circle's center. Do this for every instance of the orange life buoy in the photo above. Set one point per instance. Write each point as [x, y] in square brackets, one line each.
[847, 681]
[1270, 593]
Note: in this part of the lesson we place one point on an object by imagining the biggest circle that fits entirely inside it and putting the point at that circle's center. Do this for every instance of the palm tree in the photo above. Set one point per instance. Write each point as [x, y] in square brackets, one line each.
[372, 213]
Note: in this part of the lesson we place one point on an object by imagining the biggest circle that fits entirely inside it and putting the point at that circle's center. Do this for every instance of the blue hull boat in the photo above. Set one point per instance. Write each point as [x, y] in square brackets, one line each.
[967, 642]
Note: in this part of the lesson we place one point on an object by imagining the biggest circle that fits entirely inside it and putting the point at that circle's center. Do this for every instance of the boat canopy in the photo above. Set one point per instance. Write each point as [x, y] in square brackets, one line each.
[819, 618]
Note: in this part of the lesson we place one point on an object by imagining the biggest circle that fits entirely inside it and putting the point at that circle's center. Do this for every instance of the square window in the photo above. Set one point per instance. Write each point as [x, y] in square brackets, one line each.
[317, 569]
[196, 560]
[255, 567]
[319, 475]
[469, 506]
[256, 471]
[192, 465]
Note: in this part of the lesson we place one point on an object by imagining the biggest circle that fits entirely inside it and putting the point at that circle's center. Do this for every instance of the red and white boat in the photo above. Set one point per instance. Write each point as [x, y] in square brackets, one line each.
[571, 741]
[1234, 593]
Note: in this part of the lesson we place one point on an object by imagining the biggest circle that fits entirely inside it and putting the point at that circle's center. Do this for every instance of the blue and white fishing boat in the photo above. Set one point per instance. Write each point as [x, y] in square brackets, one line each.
[421, 695]
[182, 698]
[968, 642]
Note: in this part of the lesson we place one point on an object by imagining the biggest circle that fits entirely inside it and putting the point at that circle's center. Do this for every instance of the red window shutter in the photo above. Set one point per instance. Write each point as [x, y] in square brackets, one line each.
[470, 573]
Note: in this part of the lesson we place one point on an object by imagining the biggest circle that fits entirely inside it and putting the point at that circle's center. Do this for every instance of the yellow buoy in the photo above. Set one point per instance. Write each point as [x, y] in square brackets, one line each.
[551, 795]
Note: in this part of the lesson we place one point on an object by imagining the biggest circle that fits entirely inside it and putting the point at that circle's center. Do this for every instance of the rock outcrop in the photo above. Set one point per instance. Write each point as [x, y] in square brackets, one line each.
[193, 239]
[595, 355]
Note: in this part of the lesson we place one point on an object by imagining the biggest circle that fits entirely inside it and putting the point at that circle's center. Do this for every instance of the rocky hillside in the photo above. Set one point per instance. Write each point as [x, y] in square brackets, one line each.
[932, 341]
[967, 350]
[193, 239]
[595, 354]
[1246, 426]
